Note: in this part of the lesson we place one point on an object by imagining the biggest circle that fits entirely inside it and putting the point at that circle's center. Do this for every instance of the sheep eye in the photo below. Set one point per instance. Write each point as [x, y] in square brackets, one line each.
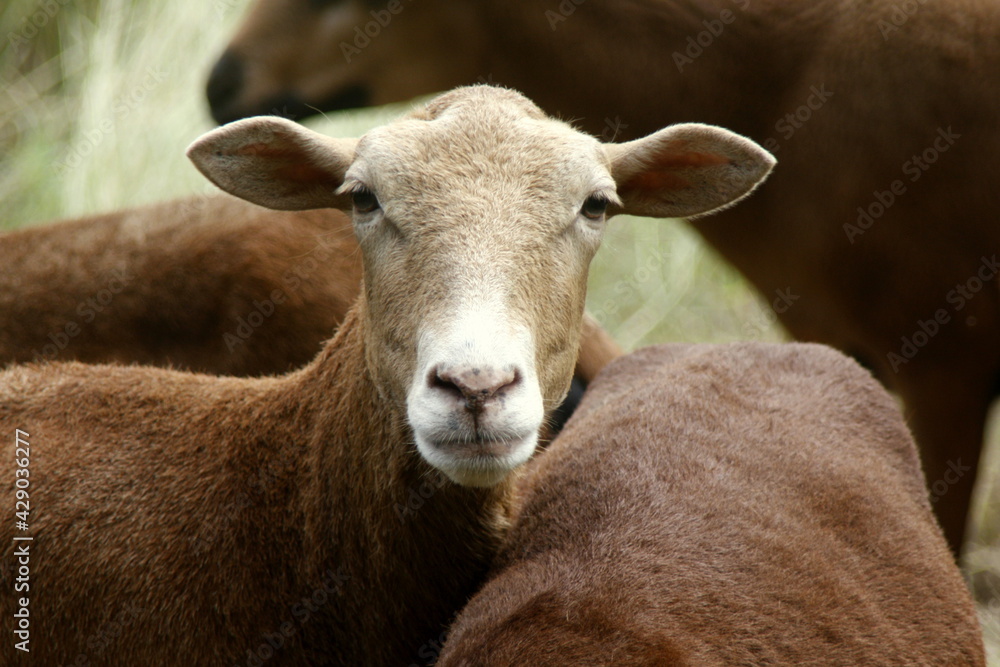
[594, 208]
[364, 200]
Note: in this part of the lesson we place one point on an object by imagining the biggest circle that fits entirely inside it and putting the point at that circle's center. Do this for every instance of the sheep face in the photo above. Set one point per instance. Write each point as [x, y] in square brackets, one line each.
[477, 218]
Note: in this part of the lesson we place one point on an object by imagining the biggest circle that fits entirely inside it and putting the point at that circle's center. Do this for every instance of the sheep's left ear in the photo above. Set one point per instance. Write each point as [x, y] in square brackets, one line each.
[275, 163]
[686, 170]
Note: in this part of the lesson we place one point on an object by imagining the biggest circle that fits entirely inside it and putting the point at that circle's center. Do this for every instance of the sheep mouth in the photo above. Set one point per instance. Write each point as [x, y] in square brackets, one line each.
[480, 446]
[480, 461]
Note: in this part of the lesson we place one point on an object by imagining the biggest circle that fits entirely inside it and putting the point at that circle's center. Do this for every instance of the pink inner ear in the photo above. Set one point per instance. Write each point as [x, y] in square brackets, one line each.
[664, 172]
[302, 173]
[287, 164]
[653, 181]
[690, 159]
[265, 150]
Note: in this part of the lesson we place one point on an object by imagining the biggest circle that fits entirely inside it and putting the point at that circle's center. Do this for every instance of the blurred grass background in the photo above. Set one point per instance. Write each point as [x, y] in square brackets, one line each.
[100, 98]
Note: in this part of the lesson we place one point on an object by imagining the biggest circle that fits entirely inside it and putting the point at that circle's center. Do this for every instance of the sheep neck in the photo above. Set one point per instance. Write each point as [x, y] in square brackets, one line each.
[378, 515]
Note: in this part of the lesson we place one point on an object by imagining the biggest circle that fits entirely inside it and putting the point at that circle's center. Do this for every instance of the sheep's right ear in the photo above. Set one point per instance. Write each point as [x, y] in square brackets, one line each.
[275, 163]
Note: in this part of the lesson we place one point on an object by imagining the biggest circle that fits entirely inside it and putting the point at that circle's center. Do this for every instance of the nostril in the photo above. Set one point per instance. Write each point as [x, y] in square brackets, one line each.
[515, 378]
[440, 379]
[476, 385]
[224, 84]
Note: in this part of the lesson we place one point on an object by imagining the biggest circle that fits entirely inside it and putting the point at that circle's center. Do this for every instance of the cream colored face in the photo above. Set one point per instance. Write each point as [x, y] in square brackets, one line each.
[477, 218]
[476, 256]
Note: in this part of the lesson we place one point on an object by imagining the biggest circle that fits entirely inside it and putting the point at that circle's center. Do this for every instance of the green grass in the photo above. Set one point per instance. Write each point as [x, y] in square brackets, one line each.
[98, 104]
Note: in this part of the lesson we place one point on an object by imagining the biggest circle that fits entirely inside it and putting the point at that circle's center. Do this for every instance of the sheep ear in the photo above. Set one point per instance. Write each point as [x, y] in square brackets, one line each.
[686, 170]
[275, 163]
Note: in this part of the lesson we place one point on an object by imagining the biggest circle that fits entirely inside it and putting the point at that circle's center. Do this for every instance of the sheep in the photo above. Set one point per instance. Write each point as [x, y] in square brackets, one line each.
[211, 284]
[739, 504]
[878, 229]
[252, 519]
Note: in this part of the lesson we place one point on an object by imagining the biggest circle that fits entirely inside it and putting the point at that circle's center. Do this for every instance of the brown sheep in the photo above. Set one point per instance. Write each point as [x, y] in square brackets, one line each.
[178, 284]
[745, 504]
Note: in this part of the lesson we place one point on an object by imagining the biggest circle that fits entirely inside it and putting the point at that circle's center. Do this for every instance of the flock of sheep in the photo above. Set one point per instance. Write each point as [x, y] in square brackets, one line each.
[470, 472]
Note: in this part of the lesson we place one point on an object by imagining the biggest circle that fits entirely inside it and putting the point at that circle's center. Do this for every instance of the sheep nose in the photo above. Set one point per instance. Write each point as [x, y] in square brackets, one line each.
[224, 85]
[478, 386]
